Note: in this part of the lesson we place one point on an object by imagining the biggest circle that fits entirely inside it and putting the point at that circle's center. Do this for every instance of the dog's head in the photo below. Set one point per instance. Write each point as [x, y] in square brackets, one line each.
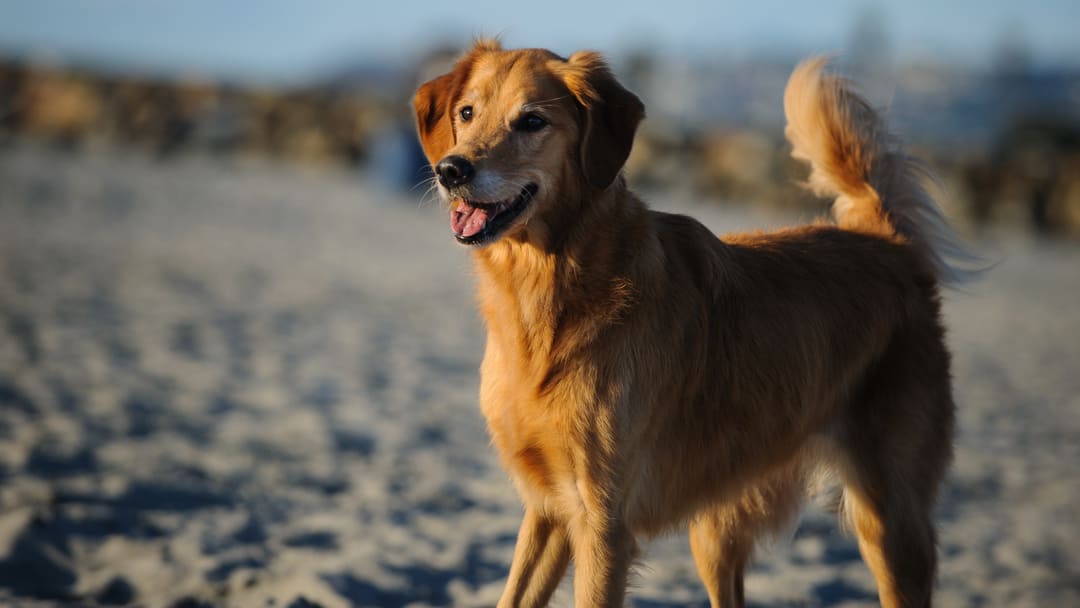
[514, 135]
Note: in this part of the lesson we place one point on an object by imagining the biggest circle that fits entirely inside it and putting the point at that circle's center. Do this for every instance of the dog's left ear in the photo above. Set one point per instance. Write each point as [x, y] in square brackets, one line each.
[612, 114]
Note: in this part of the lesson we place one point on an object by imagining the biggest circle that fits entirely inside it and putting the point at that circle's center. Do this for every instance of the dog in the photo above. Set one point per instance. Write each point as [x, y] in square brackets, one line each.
[641, 373]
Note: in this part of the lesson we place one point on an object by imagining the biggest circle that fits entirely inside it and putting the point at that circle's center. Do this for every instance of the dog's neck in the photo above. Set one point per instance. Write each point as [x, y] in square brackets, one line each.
[544, 291]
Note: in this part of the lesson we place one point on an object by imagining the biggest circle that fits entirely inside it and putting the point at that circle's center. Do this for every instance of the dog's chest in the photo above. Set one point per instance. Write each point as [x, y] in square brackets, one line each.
[533, 442]
[534, 436]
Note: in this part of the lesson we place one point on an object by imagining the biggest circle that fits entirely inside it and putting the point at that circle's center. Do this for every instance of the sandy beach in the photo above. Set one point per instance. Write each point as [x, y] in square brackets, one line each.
[229, 383]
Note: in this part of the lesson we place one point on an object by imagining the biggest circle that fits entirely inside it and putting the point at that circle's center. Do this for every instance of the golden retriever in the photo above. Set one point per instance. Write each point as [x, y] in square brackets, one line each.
[641, 373]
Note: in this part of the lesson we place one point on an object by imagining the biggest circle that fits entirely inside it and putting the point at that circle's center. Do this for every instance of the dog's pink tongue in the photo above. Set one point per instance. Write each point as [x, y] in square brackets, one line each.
[467, 220]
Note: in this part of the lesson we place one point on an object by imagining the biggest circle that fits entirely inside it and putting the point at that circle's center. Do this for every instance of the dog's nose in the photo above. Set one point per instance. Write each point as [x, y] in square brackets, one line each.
[454, 171]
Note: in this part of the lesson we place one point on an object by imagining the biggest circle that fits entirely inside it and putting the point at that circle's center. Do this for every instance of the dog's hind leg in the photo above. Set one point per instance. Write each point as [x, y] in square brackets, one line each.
[897, 444]
[896, 540]
[722, 537]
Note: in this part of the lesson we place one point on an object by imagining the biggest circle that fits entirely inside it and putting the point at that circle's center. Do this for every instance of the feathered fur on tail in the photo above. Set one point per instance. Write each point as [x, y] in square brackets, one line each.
[878, 188]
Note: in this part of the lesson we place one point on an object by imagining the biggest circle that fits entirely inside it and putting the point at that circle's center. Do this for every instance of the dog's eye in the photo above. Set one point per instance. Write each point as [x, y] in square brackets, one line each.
[466, 113]
[530, 123]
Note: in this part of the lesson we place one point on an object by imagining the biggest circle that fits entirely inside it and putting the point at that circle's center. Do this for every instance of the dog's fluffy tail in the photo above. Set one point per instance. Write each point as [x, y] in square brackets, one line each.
[878, 188]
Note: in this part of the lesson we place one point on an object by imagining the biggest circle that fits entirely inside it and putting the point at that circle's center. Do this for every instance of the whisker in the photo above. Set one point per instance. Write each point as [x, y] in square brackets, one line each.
[430, 189]
[543, 103]
[430, 193]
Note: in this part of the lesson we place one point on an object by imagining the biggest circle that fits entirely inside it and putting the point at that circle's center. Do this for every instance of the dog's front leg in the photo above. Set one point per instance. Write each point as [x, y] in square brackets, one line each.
[604, 549]
[540, 559]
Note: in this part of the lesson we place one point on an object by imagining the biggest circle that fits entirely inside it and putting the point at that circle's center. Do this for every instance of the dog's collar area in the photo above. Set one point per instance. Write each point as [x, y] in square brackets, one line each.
[475, 223]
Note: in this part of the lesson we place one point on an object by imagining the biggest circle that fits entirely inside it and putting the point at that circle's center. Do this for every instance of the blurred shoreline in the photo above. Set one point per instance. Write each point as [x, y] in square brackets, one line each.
[1004, 142]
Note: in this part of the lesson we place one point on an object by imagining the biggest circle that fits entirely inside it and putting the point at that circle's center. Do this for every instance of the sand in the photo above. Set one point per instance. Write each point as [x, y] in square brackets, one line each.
[232, 383]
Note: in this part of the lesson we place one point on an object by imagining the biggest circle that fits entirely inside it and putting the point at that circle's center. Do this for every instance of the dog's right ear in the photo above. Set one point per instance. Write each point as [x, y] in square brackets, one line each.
[433, 103]
[435, 99]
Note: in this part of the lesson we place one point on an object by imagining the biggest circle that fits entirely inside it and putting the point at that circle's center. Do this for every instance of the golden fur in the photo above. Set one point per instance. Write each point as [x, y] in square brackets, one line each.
[641, 373]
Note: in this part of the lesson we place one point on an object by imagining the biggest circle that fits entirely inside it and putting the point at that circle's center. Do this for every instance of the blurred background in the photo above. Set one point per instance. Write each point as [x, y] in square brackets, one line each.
[989, 91]
[238, 350]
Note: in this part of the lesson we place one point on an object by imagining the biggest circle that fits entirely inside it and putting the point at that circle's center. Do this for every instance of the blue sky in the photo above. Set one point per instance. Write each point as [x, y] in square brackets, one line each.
[285, 39]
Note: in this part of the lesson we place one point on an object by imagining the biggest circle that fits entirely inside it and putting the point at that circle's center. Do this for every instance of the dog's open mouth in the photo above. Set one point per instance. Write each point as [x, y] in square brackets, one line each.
[474, 222]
